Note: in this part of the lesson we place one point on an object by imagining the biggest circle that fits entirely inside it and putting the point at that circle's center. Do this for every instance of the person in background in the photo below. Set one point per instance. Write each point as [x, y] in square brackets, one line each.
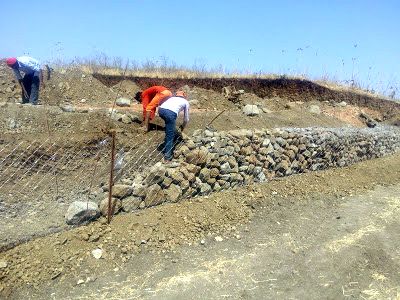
[30, 81]
[151, 98]
[169, 111]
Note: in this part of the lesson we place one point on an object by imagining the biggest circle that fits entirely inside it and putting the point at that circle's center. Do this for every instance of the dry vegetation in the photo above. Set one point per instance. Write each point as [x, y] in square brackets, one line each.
[164, 68]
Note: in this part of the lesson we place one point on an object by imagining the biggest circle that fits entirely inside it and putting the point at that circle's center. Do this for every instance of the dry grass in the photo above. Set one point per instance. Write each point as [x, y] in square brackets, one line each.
[164, 68]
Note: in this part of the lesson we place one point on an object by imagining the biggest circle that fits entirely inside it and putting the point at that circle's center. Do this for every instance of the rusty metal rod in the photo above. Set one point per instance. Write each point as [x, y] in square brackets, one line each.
[215, 118]
[111, 183]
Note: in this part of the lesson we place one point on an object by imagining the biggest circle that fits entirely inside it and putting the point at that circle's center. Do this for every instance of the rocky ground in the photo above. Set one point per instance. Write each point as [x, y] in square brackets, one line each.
[274, 223]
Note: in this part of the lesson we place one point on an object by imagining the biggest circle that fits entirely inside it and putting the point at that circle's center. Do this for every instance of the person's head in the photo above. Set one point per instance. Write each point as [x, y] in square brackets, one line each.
[11, 61]
[138, 96]
[180, 93]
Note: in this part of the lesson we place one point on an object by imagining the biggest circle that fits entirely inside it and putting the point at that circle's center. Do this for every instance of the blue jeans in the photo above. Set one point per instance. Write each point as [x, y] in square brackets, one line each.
[169, 118]
[31, 83]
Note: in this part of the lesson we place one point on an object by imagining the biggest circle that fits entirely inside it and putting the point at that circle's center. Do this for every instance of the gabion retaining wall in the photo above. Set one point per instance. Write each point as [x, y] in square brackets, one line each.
[212, 161]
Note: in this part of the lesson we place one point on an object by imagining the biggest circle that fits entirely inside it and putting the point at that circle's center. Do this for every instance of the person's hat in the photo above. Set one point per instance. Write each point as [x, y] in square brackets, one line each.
[180, 94]
[11, 61]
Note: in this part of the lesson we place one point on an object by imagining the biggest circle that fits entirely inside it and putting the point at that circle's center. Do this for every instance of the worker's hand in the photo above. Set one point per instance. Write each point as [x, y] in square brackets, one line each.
[144, 129]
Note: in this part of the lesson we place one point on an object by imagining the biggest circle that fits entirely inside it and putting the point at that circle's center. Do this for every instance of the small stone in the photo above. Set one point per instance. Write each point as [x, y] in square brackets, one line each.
[161, 237]
[97, 253]
[55, 275]
[85, 237]
[3, 264]
[68, 108]
[80, 281]
[314, 109]
[251, 110]
[94, 238]
[218, 238]
[123, 102]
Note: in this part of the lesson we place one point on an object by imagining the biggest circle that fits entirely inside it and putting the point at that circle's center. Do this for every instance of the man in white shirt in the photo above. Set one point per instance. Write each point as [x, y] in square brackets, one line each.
[33, 75]
[169, 111]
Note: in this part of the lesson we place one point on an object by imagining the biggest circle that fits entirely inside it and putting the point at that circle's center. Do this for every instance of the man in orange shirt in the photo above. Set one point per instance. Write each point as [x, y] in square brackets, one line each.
[151, 99]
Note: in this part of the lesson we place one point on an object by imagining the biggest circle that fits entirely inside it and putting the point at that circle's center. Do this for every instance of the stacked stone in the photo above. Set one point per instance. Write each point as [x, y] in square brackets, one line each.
[215, 161]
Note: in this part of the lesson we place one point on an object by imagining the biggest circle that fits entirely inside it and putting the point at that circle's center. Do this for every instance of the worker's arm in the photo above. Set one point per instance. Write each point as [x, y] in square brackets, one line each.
[146, 124]
[185, 116]
[18, 76]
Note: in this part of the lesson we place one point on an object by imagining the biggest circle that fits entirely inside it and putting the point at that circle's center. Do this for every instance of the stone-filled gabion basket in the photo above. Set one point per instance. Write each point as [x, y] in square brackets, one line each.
[213, 161]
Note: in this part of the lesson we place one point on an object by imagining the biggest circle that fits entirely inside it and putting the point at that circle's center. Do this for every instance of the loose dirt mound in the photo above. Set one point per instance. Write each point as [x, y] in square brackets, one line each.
[67, 86]
[288, 89]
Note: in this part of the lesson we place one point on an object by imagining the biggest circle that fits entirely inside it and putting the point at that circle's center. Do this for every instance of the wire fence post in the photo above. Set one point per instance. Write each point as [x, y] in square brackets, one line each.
[111, 182]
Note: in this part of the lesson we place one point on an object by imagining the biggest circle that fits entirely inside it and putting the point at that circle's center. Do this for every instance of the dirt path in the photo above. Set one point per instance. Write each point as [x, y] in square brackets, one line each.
[326, 248]
[329, 234]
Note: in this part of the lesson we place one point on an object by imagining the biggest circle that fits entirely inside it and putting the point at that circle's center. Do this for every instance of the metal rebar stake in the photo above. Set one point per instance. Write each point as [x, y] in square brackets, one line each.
[111, 183]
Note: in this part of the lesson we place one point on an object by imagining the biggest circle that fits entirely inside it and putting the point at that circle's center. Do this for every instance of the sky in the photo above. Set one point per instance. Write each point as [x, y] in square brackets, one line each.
[334, 39]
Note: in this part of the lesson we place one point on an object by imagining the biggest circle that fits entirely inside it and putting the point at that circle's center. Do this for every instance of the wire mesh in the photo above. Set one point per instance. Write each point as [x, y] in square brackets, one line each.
[41, 178]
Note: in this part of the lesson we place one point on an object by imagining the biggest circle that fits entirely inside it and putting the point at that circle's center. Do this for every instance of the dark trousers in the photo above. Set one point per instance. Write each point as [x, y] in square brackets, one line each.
[169, 118]
[31, 83]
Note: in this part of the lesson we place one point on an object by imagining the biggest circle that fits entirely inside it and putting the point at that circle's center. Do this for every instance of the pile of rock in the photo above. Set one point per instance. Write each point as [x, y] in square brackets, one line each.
[214, 161]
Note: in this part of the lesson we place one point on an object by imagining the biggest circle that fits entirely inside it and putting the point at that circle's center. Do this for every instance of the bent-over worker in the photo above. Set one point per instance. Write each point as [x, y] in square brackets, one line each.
[151, 99]
[169, 111]
[30, 82]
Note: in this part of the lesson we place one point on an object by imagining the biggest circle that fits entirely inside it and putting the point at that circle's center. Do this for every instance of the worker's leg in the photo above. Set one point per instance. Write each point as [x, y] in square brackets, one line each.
[34, 95]
[169, 118]
[27, 83]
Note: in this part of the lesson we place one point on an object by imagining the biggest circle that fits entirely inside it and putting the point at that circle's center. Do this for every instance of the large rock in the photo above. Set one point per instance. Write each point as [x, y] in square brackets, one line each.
[197, 157]
[225, 168]
[156, 174]
[123, 102]
[131, 203]
[121, 190]
[251, 110]
[175, 175]
[80, 212]
[154, 196]
[173, 193]
[116, 206]
[205, 189]
[204, 174]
